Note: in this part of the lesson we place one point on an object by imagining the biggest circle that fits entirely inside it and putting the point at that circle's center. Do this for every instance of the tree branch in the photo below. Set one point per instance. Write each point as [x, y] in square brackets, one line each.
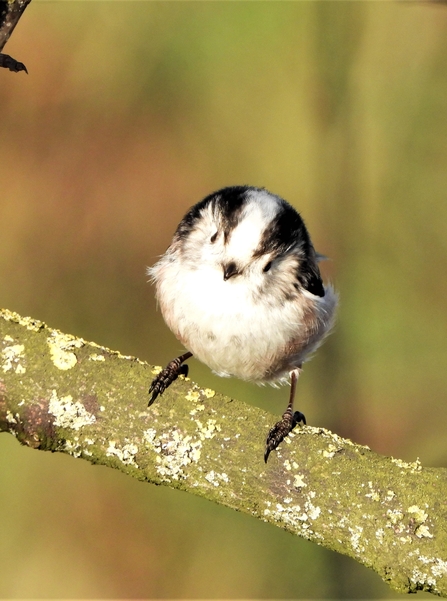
[60, 393]
[10, 13]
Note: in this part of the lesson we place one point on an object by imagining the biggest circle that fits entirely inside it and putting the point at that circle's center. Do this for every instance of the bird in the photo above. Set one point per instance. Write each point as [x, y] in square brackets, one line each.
[240, 288]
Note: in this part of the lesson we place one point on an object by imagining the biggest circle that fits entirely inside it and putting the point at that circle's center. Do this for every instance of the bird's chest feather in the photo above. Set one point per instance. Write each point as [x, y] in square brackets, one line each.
[228, 325]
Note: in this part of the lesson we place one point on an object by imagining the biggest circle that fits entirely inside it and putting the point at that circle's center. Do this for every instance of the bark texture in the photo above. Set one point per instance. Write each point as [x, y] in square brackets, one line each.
[61, 393]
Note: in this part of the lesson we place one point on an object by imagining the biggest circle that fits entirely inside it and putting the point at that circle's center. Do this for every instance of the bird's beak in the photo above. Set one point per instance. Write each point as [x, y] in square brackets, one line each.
[230, 270]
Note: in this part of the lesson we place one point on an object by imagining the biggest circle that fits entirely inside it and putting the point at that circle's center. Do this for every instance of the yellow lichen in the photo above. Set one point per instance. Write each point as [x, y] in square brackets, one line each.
[193, 395]
[61, 349]
[208, 393]
[30, 324]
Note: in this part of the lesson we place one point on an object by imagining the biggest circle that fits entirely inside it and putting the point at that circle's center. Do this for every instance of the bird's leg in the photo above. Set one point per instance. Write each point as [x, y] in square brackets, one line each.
[288, 421]
[168, 375]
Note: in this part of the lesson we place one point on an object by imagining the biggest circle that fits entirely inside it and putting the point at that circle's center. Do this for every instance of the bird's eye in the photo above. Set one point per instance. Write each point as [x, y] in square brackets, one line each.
[267, 267]
[213, 238]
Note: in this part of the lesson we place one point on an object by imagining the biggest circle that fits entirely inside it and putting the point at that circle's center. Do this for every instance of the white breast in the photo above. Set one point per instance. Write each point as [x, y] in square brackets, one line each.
[227, 329]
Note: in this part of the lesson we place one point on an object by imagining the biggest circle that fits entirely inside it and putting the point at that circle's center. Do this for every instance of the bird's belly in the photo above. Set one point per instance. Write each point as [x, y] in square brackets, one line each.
[235, 335]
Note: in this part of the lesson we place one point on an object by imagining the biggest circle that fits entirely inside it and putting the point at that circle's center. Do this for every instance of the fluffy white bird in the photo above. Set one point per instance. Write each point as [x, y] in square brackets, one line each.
[240, 287]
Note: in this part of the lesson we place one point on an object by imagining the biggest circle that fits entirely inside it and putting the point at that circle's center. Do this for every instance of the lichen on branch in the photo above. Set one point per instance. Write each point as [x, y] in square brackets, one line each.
[61, 393]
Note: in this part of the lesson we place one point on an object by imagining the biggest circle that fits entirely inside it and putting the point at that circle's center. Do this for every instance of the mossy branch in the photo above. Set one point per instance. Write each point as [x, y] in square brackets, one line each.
[60, 393]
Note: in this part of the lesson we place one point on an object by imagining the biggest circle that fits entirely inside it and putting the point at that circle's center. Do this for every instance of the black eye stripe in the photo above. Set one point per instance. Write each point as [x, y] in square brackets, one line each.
[227, 205]
[285, 233]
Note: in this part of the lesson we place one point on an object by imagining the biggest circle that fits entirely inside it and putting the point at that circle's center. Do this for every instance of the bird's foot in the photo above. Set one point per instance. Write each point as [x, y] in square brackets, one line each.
[281, 429]
[168, 375]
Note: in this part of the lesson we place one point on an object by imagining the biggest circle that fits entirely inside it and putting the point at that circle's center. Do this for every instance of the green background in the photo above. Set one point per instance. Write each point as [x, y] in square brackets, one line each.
[131, 113]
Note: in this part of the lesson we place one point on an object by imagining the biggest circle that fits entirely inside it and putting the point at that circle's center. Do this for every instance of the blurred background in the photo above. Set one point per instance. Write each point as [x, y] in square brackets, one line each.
[131, 113]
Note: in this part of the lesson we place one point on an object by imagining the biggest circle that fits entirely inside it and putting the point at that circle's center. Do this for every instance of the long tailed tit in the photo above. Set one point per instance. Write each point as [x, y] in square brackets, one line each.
[240, 288]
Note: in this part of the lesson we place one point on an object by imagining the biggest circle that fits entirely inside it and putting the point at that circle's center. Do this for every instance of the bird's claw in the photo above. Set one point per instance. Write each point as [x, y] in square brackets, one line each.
[281, 429]
[165, 378]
